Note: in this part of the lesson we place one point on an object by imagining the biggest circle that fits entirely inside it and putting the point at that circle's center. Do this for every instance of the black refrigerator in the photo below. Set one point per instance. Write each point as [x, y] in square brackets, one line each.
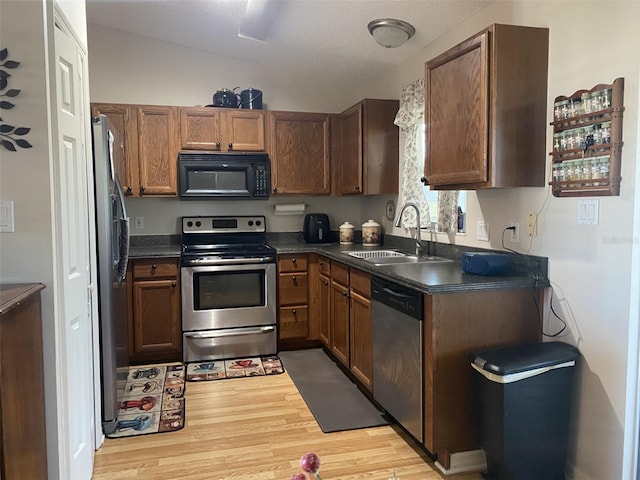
[112, 240]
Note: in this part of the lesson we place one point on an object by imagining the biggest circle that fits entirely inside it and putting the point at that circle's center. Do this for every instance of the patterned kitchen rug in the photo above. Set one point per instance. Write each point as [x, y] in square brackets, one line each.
[153, 400]
[238, 367]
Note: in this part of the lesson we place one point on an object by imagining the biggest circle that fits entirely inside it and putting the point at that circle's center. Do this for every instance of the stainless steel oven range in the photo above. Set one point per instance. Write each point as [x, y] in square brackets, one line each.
[228, 275]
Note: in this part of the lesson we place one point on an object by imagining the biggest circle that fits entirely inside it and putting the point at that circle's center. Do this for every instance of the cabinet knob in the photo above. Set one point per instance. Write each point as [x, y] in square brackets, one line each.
[154, 266]
[356, 188]
[141, 189]
[294, 311]
[294, 279]
[218, 145]
[173, 284]
[129, 190]
[345, 293]
[424, 180]
[231, 146]
[325, 282]
[275, 189]
[293, 260]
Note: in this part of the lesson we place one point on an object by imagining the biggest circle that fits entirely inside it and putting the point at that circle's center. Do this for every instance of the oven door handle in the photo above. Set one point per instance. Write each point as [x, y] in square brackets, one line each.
[229, 261]
[229, 333]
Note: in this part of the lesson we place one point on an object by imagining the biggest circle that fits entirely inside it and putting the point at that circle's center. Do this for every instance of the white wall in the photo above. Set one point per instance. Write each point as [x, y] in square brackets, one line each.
[25, 178]
[591, 42]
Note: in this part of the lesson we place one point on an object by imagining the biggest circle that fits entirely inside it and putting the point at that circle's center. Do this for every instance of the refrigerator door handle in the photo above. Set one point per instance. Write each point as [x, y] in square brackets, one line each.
[123, 247]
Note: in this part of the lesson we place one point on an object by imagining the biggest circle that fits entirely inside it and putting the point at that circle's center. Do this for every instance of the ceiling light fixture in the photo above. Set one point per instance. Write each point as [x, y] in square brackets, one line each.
[389, 32]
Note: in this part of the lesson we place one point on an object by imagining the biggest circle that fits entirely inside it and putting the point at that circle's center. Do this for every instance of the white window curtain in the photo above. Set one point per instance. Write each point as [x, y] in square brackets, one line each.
[410, 119]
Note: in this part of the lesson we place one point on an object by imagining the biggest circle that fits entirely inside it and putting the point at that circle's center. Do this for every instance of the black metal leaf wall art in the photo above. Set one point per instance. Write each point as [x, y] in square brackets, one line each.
[10, 135]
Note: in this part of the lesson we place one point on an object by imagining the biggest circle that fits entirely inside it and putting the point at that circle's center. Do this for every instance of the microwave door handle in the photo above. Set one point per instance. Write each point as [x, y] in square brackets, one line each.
[229, 333]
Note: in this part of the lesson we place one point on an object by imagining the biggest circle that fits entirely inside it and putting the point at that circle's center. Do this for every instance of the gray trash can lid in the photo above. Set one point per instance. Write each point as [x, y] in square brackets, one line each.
[517, 359]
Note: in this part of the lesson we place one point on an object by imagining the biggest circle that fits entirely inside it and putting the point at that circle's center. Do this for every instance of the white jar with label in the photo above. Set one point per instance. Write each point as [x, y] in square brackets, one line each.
[346, 233]
[371, 231]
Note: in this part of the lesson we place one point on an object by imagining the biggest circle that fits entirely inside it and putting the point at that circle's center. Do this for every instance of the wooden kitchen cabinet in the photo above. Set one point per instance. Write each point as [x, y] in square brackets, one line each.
[293, 299]
[150, 134]
[222, 129]
[339, 317]
[360, 328]
[299, 148]
[485, 111]
[324, 301]
[23, 447]
[350, 328]
[455, 324]
[366, 149]
[155, 333]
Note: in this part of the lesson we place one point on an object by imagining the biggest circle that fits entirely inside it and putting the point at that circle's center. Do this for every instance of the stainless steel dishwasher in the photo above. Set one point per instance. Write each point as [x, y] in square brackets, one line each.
[398, 314]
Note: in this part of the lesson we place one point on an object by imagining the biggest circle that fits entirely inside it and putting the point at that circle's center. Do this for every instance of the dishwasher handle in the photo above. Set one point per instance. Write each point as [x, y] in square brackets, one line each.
[398, 297]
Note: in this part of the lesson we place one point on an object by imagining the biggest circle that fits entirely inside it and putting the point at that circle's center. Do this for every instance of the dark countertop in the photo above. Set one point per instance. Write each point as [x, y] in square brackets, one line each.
[12, 294]
[445, 277]
[442, 277]
[154, 251]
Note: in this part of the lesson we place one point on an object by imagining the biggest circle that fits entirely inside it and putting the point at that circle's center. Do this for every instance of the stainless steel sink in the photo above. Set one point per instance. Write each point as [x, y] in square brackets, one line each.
[407, 259]
[376, 254]
[393, 257]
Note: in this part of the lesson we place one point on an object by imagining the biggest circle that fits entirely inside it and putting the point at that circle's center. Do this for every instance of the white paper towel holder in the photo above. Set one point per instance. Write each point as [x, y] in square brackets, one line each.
[289, 209]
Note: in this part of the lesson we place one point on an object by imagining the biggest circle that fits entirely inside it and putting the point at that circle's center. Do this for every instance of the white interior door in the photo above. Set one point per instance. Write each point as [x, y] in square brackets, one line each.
[75, 342]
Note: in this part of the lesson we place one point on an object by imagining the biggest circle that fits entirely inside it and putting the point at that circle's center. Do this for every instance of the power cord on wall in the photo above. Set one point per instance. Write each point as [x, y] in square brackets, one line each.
[535, 300]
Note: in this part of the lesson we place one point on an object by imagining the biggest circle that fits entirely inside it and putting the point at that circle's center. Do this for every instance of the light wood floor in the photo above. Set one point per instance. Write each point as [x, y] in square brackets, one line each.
[257, 429]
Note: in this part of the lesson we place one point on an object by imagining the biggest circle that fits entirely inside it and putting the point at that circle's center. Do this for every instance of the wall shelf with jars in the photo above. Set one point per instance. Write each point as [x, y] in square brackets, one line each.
[587, 142]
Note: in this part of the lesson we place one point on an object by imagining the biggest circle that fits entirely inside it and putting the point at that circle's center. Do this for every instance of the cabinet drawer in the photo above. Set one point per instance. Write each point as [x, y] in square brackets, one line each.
[324, 265]
[293, 288]
[340, 273]
[360, 282]
[294, 323]
[155, 268]
[292, 263]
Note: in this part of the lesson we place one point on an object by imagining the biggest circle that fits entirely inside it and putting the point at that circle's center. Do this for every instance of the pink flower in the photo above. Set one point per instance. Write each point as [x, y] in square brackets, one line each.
[310, 463]
[299, 476]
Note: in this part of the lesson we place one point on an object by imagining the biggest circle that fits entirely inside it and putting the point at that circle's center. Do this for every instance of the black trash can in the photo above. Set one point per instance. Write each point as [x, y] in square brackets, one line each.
[523, 404]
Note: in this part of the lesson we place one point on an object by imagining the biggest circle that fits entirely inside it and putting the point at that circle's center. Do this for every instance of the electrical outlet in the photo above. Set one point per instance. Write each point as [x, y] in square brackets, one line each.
[138, 222]
[532, 225]
[515, 234]
[482, 232]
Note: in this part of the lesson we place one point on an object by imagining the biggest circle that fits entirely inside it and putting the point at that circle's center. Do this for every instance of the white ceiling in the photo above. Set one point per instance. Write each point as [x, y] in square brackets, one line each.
[327, 38]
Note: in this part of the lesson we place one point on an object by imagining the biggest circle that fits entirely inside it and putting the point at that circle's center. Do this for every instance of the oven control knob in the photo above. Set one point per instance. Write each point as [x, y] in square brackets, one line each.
[251, 223]
[198, 224]
[258, 223]
[189, 223]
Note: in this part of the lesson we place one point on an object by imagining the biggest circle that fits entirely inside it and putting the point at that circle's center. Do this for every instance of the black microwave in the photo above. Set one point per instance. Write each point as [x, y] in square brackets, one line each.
[228, 175]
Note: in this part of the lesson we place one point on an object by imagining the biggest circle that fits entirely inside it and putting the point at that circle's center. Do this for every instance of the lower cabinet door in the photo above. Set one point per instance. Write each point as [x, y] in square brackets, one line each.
[156, 320]
[339, 323]
[325, 310]
[361, 340]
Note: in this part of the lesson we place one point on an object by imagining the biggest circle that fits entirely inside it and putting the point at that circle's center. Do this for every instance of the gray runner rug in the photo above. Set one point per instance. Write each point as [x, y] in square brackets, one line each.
[335, 401]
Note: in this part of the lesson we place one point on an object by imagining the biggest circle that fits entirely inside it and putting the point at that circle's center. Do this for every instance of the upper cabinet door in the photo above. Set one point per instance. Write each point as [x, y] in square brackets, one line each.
[125, 120]
[221, 129]
[245, 130]
[349, 163]
[366, 148]
[200, 128]
[485, 111]
[158, 150]
[299, 149]
[456, 103]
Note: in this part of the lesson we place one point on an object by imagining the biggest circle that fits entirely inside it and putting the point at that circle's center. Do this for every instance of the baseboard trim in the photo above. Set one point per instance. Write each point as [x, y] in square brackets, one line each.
[469, 461]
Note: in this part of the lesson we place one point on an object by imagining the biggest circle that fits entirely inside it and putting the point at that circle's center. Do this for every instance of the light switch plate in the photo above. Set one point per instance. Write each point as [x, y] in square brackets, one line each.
[6, 216]
[482, 233]
[588, 212]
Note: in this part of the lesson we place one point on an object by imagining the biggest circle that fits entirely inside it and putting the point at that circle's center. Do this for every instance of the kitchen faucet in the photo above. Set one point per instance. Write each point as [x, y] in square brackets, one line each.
[399, 222]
